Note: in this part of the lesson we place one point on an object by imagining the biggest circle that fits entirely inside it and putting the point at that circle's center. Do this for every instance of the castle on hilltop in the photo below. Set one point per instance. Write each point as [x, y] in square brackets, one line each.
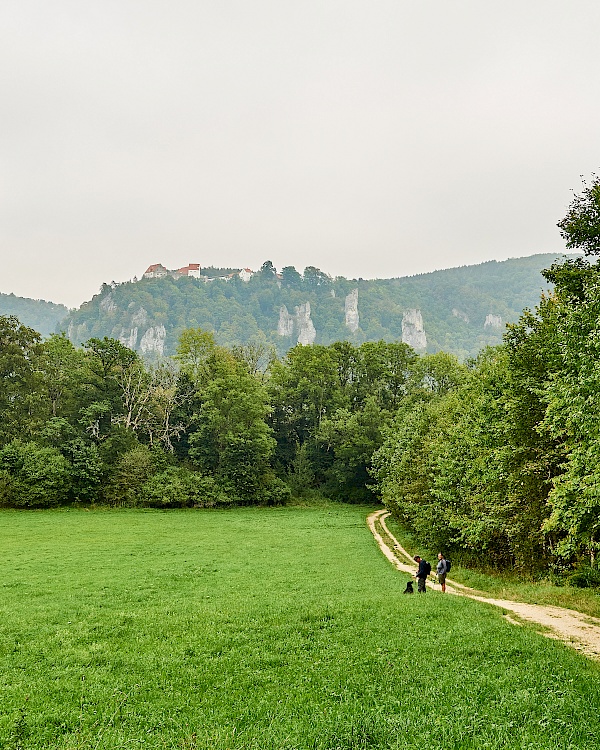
[157, 271]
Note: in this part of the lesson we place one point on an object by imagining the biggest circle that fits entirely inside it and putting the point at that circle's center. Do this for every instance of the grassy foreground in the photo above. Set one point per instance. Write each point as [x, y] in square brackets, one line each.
[265, 629]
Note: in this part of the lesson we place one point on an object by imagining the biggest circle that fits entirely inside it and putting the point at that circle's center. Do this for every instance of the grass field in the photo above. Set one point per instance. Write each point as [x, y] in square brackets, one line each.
[264, 629]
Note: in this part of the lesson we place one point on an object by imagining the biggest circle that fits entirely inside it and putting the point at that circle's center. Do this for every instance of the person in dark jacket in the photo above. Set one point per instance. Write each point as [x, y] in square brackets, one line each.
[441, 570]
[422, 573]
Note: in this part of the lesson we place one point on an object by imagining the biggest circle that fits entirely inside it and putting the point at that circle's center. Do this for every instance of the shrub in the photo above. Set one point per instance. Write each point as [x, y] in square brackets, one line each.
[131, 473]
[33, 476]
[276, 492]
[6, 488]
[178, 487]
[585, 578]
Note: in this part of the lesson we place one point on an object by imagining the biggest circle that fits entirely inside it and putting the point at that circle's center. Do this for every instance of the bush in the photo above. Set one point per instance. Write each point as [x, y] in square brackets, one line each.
[131, 473]
[585, 578]
[6, 488]
[33, 476]
[178, 487]
[87, 470]
[276, 492]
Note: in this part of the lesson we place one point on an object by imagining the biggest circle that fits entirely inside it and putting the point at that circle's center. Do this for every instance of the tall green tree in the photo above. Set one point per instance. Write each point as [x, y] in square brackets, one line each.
[348, 441]
[304, 388]
[290, 277]
[314, 278]
[194, 350]
[20, 384]
[63, 370]
[108, 363]
[581, 226]
[229, 437]
[573, 420]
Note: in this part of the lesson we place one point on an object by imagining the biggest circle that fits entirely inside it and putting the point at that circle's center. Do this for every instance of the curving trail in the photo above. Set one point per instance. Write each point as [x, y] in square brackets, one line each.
[580, 631]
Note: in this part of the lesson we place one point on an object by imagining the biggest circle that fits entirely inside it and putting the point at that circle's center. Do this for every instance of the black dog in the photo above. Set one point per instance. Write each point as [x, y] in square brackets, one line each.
[409, 588]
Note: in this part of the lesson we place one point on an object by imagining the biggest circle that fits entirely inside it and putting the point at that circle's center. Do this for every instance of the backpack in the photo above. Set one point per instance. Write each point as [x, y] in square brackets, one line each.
[427, 568]
[448, 564]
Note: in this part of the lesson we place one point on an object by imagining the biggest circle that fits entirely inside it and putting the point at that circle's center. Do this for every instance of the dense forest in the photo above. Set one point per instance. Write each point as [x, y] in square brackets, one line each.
[495, 460]
[461, 309]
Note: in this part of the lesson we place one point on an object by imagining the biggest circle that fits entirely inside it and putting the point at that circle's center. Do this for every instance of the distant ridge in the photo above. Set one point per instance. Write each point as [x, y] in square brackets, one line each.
[458, 310]
[43, 316]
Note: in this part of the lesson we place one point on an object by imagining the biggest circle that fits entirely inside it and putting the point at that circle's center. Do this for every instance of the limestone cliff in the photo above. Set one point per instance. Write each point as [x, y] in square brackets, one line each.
[306, 328]
[153, 341]
[285, 326]
[413, 332]
[140, 318]
[129, 337]
[299, 324]
[463, 309]
[493, 321]
[107, 304]
[77, 334]
[351, 308]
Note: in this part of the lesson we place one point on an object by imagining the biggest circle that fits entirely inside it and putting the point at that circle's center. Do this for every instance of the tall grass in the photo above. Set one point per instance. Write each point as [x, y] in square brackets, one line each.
[260, 628]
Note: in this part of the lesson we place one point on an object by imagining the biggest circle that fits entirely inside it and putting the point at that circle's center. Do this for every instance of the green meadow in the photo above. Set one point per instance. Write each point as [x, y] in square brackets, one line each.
[264, 629]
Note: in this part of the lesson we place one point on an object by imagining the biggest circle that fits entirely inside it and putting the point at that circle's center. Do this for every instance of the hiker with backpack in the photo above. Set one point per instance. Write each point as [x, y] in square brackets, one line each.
[443, 568]
[422, 573]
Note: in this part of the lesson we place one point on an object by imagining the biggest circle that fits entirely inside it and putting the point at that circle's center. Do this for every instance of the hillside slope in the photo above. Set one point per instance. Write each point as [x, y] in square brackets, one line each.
[459, 310]
[43, 316]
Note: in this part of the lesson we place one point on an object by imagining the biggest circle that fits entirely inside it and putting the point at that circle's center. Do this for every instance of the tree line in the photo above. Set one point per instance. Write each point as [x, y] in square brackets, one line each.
[210, 426]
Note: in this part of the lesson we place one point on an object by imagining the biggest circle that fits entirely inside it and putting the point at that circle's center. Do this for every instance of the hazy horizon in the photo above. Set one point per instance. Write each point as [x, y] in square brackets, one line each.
[368, 139]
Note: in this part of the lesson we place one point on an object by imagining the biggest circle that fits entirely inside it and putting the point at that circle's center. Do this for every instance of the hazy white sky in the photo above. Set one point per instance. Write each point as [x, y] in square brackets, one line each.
[378, 138]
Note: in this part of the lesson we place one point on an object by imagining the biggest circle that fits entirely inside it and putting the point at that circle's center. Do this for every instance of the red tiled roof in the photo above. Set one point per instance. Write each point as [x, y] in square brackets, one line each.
[189, 267]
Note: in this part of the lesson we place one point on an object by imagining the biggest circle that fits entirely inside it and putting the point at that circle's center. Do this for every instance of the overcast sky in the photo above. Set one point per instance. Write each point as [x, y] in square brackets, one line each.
[369, 138]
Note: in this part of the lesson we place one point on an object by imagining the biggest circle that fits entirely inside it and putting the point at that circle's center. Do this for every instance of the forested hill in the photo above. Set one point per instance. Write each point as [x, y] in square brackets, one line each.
[43, 316]
[459, 310]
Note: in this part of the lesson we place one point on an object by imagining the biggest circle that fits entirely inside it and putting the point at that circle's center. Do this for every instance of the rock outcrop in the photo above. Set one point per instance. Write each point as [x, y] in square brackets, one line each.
[299, 324]
[493, 321]
[413, 332]
[285, 326]
[77, 334]
[140, 318]
[460, 315]
[351, 307]
[129, 337]
[306, 328]
[107, 304]
[153, 341]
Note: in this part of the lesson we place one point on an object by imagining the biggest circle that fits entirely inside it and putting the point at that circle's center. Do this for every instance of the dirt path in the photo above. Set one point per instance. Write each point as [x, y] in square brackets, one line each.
[574, 628]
